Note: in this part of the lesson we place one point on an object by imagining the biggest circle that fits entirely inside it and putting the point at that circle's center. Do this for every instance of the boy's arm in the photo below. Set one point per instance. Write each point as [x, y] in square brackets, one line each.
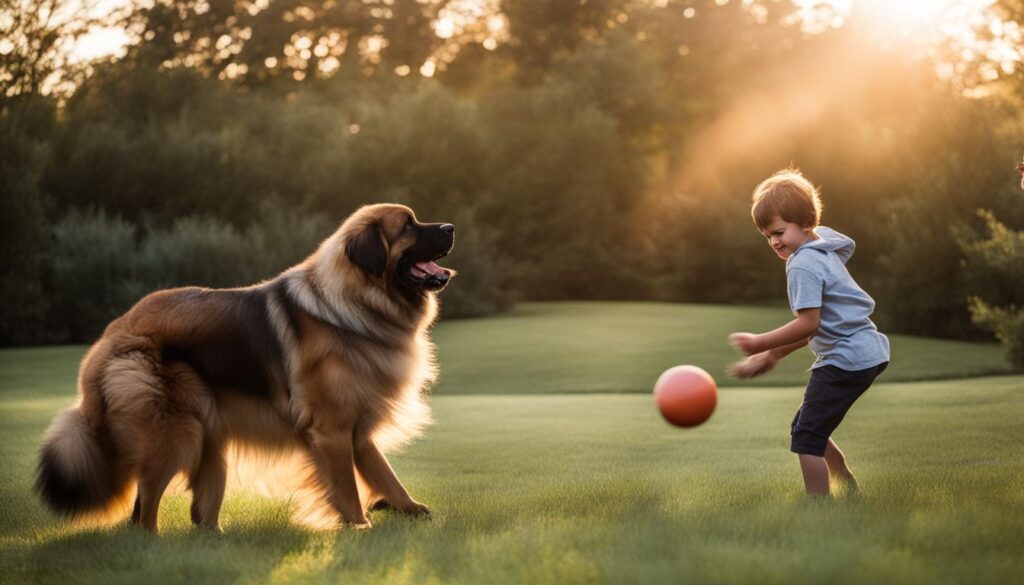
[757, 364]
[762, 363]
[781, 352]
[787, 338]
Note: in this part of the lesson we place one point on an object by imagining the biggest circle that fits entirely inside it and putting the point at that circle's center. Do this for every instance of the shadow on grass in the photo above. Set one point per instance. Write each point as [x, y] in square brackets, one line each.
[124, 553]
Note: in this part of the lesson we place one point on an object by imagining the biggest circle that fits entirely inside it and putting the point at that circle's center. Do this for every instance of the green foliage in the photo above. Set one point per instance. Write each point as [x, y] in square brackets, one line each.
[481, 287]
[600, 150]
[996, 266]
[541, 31]
[194, 250]
[93, 266]
[915, 293]
[102, 264]
[566, 159]
[161, 145]
[25, 123]
[996, 262]
[913, 164]
[707, 249]
[421, 146]
[38, 36]
[1006, 322]
[233, 39]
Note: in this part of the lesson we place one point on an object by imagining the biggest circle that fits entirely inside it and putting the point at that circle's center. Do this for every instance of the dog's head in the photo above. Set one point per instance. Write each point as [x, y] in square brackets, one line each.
[391, 246]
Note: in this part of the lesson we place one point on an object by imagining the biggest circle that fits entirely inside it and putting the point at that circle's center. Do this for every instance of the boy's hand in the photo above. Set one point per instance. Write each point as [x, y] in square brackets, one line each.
[755, 365]
[745, 342]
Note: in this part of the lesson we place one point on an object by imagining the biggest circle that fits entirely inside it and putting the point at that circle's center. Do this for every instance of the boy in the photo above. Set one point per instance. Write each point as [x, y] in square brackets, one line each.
[831, 315]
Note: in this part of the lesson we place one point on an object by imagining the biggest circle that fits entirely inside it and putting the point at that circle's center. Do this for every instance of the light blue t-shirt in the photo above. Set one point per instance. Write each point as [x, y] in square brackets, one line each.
[816, 277]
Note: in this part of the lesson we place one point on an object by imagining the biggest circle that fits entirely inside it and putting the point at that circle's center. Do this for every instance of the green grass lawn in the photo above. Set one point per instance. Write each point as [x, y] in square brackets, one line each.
[585, 488]
[544, 348]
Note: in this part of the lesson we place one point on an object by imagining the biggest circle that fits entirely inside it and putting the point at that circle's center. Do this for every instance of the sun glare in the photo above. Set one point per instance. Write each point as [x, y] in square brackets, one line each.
[906, 14]
[100, 42]
[915, 20]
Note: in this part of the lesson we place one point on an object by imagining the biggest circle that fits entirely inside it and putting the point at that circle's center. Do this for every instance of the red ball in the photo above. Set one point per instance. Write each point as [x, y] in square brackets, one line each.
[686, 395]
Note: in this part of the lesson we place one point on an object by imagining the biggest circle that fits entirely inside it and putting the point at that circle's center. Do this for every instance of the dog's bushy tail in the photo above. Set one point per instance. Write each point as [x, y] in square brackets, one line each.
[76, 477]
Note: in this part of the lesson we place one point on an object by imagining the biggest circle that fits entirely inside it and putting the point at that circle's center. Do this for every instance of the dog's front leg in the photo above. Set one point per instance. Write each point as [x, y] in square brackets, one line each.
[335, 464]
[377, 472]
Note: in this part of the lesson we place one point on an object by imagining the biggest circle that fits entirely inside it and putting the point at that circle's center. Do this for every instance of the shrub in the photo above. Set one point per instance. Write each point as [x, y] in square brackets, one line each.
[995, 267]
[102, 265]
[93, 276]
[481, 286]
[1006, 322]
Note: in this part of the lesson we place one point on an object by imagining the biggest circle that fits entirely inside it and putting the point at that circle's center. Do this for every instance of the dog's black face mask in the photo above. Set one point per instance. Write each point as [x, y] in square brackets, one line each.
[417, 268]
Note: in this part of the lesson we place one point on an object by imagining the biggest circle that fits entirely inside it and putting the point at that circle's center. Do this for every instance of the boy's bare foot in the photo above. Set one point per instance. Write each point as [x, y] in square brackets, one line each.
[846, 483]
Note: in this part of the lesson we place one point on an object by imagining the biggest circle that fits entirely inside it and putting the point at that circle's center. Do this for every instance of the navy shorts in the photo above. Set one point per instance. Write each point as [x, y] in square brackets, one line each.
[830, 394]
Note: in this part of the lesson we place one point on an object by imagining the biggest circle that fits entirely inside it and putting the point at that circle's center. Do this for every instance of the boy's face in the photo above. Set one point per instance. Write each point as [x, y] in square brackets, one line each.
[785, 237]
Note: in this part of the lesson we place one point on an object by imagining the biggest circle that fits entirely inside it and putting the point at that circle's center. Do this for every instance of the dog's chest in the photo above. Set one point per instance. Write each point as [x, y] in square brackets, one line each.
[375, 375]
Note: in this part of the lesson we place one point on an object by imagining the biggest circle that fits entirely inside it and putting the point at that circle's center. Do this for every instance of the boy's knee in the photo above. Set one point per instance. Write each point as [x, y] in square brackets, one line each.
[807, 443]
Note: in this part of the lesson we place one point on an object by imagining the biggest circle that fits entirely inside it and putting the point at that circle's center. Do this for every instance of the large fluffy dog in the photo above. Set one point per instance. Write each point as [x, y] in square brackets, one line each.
[331, 357]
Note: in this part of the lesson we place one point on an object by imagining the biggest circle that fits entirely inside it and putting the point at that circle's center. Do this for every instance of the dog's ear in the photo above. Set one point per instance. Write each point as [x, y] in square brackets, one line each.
[366, 250]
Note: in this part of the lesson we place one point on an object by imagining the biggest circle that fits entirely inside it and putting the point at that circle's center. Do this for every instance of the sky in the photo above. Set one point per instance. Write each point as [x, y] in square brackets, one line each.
[105, 41]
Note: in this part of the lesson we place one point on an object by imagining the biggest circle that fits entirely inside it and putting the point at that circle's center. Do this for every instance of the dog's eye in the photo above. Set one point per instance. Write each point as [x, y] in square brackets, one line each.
[408, 224]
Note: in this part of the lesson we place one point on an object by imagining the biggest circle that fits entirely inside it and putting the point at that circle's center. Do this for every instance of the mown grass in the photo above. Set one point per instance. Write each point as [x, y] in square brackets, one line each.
[596, 488]
[571, 347]
[584, 488]
[544, 348]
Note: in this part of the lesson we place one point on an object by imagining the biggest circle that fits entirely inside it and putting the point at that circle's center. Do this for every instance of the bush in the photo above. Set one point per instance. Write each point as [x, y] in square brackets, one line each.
[481, 286]
[918, 282]
[102, 265]
[995, 267]
[1006, 322]
[93, 263]
[281, 237]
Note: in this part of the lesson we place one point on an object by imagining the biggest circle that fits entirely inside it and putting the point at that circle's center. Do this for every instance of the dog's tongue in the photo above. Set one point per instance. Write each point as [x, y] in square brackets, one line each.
[431, 268]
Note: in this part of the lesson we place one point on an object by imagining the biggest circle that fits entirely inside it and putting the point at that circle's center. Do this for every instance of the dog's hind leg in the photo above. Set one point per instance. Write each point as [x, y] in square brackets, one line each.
[153, 480]
[166, 438]
[207, 484]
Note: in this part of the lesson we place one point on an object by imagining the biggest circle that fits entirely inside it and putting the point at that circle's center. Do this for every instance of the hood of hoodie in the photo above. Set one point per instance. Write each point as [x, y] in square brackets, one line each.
[829, 240]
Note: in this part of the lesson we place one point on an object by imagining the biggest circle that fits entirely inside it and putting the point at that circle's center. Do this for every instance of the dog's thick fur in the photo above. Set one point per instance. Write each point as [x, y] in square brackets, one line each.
[332, 357]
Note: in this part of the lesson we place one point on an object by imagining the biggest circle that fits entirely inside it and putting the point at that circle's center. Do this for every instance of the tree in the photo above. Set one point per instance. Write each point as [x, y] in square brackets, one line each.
[34, 52]
[24, 238]
[284, 42]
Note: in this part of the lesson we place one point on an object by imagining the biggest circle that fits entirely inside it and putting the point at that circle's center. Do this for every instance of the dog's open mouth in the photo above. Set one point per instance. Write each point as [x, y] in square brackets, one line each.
[418, 268]
[429, 274]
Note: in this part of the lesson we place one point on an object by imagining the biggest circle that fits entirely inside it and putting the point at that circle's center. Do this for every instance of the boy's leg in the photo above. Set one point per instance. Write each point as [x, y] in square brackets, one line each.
[837, 465]
[830, 393]
[815, 471]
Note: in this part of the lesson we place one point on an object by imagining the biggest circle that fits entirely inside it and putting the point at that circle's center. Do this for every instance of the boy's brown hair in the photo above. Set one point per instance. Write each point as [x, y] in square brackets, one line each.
[789, 196]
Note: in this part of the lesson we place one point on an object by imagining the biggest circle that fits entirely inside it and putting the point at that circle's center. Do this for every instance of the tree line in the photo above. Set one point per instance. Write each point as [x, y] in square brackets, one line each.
[596, 150]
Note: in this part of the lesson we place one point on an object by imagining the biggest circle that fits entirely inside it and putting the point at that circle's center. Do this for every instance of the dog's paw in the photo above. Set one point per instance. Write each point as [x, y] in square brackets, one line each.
[364, 525]
[414, 508]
